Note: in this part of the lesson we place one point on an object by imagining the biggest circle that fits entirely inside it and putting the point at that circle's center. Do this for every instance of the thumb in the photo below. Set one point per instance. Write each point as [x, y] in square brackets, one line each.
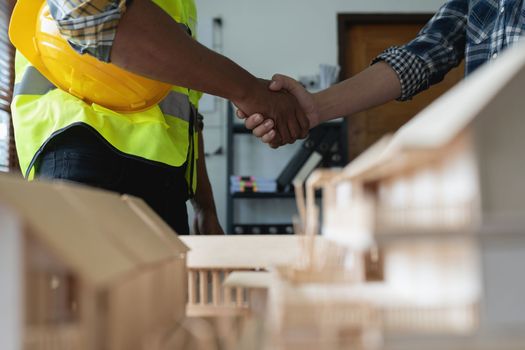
[240, 114]
[280, 82]
[276, 85]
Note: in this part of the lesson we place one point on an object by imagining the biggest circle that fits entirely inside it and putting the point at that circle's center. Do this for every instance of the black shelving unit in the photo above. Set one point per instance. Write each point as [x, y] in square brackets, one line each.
[233, 227]
[262, 195]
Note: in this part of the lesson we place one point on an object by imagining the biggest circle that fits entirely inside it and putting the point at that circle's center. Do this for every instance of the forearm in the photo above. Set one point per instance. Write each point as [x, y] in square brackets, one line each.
[203, 200]
[425, 60]
[376, 85]
[148, 42]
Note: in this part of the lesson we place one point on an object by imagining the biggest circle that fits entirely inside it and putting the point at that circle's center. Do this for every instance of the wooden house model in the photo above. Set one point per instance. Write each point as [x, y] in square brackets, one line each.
[213, 258]
[437, 210]
[85, 269]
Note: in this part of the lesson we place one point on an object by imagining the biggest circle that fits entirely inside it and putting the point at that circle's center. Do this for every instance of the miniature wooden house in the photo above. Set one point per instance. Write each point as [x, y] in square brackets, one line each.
[85, 269]
[213, 258]
[471, 147]
[346, 224]
[444, 205]
[452, 168]
[312, 316]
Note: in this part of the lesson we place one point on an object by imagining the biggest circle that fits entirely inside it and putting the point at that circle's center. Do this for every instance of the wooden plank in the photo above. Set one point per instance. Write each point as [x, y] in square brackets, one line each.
[227, 290]
[216, 287]
[203, 287]
[239, 296]
[192, 287]
[241, 252]
[216, 311]
[179, 292]
[246, 279]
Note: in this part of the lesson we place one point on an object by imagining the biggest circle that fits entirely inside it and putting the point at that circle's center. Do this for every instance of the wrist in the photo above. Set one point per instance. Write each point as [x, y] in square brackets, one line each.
[317, 112]
[247, 93]
[248, 96]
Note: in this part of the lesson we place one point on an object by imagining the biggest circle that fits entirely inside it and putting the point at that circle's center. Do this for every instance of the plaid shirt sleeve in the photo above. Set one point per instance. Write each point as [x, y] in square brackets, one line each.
[89, 26]
[439, 47]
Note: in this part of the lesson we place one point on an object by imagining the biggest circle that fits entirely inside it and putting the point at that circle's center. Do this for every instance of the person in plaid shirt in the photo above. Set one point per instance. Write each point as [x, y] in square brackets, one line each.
[474, 30]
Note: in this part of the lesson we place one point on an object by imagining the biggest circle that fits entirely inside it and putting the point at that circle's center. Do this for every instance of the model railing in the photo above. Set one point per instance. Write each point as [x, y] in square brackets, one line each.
[208, 297]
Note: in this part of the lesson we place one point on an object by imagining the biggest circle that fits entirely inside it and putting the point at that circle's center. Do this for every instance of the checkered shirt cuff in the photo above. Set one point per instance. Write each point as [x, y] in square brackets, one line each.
[89, 26]
[410, 69]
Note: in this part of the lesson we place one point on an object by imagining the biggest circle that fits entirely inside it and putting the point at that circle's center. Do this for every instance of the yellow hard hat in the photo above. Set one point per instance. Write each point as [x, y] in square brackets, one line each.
[34, 33]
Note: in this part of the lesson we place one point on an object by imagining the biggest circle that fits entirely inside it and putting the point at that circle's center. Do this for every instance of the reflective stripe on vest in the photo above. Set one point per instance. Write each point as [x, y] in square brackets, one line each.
[33, 83]
[176, 104]
[41, 111]
[163, 133]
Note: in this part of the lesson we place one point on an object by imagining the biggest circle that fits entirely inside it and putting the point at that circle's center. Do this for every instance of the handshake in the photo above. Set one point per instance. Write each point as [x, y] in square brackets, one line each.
[279, 112]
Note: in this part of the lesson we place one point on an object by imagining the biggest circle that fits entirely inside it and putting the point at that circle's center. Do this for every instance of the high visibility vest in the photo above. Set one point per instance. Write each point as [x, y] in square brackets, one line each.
[164, 133]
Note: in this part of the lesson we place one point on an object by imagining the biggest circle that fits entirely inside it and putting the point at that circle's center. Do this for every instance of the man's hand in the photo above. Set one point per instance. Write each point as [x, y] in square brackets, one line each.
[281, 108]
[263, 127]
[206, 223]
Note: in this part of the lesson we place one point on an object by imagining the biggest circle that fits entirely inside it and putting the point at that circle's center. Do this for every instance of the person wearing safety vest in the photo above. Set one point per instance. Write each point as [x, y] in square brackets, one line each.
[107, 92]
[476, 31]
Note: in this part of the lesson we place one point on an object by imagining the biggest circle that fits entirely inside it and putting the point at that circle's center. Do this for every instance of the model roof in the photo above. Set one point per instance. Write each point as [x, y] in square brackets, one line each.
[101, 235]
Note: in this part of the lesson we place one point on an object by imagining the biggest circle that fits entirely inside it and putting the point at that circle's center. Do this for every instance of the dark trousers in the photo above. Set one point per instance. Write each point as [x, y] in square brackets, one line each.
[81, 155]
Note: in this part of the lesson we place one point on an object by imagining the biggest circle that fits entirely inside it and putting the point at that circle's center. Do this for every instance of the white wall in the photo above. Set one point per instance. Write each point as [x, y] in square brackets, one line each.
[292, 36]
[286, 36]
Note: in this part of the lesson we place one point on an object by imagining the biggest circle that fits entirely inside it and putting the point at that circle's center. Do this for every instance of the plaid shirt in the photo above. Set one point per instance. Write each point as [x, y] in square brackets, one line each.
[88, 25]
[477, 30]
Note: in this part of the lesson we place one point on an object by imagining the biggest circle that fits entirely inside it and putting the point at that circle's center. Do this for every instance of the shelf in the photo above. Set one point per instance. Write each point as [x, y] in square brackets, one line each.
[236, 128]
[263, 195]
[262, 229]
[268, 195]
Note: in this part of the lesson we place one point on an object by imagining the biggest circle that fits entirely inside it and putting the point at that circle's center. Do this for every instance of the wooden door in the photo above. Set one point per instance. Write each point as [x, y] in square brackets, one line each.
[362, 38]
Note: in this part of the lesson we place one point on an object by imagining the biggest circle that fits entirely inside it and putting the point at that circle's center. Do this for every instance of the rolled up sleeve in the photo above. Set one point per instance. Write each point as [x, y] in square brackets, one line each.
[89, 26]
[410, 69]
[439, 47]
